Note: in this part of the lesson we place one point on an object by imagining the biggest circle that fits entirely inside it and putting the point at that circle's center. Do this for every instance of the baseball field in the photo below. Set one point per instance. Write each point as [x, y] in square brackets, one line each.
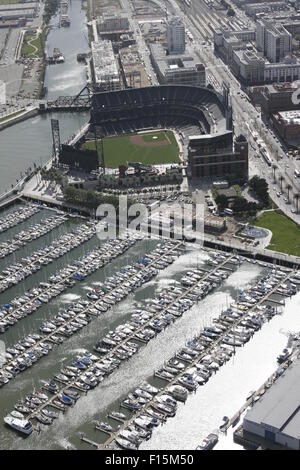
[155, 147]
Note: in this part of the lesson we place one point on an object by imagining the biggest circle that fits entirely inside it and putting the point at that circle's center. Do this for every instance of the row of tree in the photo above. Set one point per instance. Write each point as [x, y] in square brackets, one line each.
[51, 7]
[51, 175]
[87, 197]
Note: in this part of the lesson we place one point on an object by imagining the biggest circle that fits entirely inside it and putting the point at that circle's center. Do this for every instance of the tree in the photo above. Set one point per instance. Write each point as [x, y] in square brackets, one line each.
[221, 201]
[281, 179]
[241, 205]
[289, 187]
[260, 187]
[274, 167]
[296, 197]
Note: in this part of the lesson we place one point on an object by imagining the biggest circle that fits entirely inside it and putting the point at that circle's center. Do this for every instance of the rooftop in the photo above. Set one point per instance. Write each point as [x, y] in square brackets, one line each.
[290, 117]
[279, 407]
[105, 65]
[19, 6]
[165, 62]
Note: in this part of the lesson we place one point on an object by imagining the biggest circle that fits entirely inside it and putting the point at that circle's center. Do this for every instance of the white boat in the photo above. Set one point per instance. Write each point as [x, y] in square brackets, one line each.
[124, 444]
[21, 425]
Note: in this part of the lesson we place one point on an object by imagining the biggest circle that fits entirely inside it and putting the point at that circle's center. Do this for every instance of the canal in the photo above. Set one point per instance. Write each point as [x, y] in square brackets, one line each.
[226, 391]
[30, 141]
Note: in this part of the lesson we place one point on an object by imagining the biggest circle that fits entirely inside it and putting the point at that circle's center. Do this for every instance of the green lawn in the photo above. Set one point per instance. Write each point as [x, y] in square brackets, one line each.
[286, 234]
[8, 2]
[120, 150]
[32, 46]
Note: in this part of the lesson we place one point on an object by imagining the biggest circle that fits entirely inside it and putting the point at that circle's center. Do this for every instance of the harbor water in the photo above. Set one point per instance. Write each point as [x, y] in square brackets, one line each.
[30, 141]
[202, 413]
[225, 392]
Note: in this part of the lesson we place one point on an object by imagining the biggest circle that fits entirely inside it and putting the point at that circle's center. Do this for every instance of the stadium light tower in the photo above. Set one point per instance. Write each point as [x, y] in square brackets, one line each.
[55, 139]
[101, 155]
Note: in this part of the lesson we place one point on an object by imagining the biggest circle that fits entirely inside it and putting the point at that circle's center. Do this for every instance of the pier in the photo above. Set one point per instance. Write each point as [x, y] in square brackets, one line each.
[131, 337]
[48, 336]
[268, 382]
[35, 232]
[173, 381]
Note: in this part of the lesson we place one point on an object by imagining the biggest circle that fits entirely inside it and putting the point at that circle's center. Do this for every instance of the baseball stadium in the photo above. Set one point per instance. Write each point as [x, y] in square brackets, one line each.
[145, 124]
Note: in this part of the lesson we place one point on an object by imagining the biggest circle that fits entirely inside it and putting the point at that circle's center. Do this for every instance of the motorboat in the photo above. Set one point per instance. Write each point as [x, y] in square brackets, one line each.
[49, 414]
[43, 419]
[124, 444]
[102, 426]
[21, 425]
[65, 399]
[117, 415]
[286, 353]
[178, 392]
[209, 442]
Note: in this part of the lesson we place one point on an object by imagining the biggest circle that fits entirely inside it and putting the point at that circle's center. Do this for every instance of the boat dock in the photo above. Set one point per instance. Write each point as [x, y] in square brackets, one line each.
[16, 217]
[131, 337]
[48, 337]
[212, 346]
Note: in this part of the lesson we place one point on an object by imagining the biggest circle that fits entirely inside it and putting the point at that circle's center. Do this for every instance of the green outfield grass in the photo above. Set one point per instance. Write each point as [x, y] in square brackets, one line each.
[120, 150]
[286, 234]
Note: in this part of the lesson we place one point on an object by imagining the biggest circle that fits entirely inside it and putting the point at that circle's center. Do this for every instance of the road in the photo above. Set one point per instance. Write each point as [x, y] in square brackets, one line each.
[201, 20]
[140, 41]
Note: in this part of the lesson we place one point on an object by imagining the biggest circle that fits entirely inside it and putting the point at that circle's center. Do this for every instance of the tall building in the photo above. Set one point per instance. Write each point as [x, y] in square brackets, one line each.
[105, 66]
[274, 41]
[183, 69]
[175, 36]
[218, 155]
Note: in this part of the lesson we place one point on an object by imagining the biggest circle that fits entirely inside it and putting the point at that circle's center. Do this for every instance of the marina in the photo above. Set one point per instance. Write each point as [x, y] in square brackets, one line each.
[27, 266]
[17, 217]
[192, 367]
[153, 315]
[105, 342]
[33, 233]
[63, 279]
[189, 368]
[27, 351]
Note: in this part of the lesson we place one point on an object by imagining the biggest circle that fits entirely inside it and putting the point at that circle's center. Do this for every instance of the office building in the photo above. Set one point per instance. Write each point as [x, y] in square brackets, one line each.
[175, 36]
[105, 68]
[218, 155]
[274, 41]
[174, 69]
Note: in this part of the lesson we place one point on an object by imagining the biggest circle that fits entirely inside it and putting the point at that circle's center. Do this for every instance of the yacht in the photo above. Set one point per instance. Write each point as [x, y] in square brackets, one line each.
[178, 392]
[117, 415]
[21, 425]
[102, 426]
